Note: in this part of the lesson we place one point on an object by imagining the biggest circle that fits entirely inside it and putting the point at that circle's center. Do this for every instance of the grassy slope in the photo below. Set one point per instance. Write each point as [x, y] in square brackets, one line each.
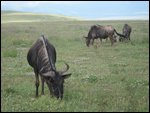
[103, 79]
[13, 16]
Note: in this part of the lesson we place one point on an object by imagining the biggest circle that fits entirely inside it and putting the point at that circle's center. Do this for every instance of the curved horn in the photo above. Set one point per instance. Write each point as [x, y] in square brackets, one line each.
[65, 70]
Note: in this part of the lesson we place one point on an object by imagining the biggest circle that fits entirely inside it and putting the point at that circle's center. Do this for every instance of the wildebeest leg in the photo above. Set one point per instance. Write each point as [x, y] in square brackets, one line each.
[42, 80]
[50, 87]
[97, 43]
[100, 39]
[120, 39]
[111, 39]
[129, 36]
[92, 41]
[114, 38]
[37, 81]
[107, 39]
[51, 91]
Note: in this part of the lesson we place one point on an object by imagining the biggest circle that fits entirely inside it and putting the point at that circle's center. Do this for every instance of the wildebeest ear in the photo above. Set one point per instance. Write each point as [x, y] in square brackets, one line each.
[66, 75]
[49, 74]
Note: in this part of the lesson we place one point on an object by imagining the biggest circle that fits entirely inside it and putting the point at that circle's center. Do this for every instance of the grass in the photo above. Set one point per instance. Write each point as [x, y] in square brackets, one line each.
[104, 78]
[11, 52]
[13, 16]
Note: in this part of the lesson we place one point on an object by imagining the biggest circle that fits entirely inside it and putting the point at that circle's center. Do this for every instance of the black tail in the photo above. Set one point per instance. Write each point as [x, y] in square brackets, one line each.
[119, 34]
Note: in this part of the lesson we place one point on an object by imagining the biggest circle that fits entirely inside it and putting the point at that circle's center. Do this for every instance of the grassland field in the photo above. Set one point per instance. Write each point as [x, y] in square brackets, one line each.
[104, 77]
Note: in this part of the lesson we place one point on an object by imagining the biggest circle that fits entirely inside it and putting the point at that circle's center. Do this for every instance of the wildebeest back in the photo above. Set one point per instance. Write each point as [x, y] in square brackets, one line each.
[38, 55]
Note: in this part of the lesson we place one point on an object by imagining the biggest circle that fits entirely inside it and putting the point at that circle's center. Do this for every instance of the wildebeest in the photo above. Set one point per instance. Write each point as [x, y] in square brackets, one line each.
[42, 57]
[102, 32]
[126, 31]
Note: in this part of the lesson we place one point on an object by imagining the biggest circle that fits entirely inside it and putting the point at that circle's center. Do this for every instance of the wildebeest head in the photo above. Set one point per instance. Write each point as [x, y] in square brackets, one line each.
[87, 40]
[55, 80]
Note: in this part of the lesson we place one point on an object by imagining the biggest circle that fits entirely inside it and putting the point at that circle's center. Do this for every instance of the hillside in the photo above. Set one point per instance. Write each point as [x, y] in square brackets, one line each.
[14, 16]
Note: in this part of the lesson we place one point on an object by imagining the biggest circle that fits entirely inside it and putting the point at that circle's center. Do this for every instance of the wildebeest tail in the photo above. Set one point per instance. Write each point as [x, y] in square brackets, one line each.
[119, 34]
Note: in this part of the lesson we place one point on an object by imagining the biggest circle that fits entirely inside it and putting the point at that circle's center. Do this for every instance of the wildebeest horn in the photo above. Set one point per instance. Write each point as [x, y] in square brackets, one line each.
[64, 70]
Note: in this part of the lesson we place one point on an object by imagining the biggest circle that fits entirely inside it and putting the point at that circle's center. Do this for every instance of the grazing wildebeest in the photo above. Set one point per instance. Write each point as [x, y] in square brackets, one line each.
[42, 57]
[126, 32]
[102, 32]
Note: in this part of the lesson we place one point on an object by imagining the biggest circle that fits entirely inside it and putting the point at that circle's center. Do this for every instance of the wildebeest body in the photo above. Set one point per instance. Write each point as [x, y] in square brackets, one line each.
[126, 31]
[42, 57]
[102, 32]
[39, 58]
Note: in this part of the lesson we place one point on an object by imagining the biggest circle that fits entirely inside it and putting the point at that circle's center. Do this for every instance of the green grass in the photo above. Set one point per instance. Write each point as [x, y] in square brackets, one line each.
[13, 16]
[11, 52]
[104, 78]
